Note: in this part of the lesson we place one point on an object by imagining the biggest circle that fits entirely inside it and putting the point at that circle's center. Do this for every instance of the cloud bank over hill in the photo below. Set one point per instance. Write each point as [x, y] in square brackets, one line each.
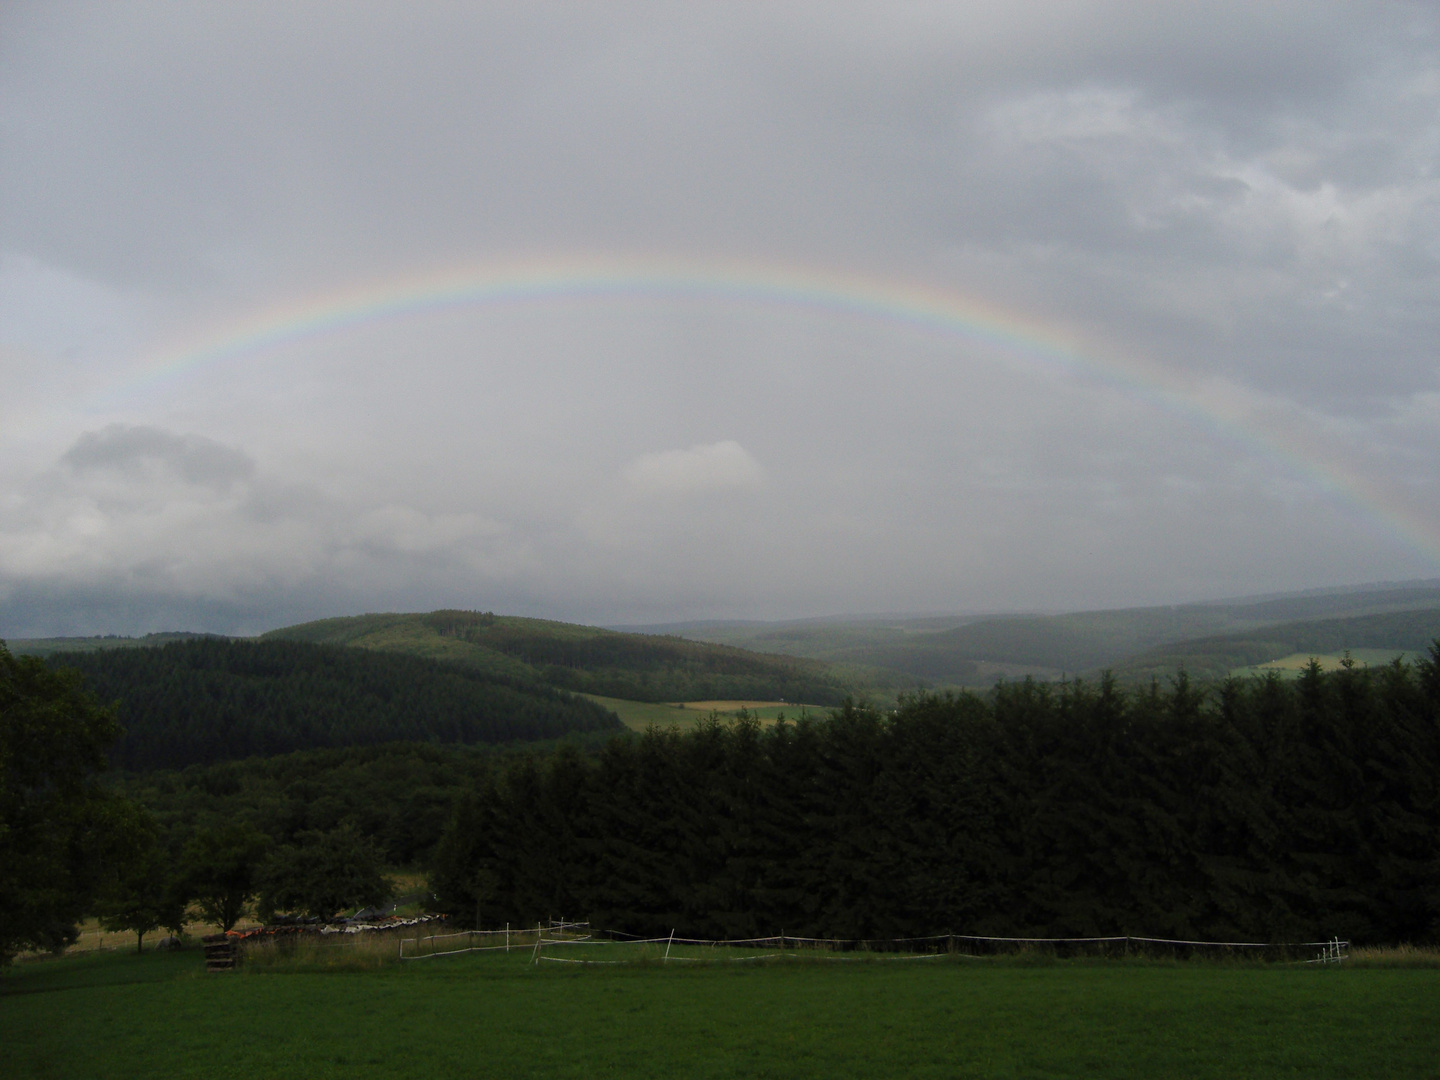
[1224, 220]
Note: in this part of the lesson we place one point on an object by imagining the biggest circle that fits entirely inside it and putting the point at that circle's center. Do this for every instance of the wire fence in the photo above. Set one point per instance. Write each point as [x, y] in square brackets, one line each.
[506, 940]
[565, 942]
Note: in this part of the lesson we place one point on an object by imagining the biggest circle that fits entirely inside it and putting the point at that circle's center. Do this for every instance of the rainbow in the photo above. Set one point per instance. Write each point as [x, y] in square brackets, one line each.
[918, 307]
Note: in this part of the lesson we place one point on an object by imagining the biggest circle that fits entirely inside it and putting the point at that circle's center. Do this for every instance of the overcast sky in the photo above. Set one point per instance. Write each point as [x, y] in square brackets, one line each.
[1231, 212]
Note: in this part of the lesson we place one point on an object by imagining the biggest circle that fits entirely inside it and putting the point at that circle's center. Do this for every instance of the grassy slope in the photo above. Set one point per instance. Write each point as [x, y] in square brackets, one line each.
[585, 659]
[122, 1017]
[639, 715]
[1298, 662]
[404, 634]
[1374, 638]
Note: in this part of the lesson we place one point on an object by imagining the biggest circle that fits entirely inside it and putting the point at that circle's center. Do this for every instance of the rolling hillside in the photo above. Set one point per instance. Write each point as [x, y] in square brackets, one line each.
[586, 659]
[1386, 634]
[52, 645]
[976, 650]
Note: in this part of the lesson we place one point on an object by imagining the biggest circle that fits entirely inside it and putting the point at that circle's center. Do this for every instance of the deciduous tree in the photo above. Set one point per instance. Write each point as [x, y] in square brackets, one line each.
[222, 871]
[54, 819]
[324, 873]
[142, 892]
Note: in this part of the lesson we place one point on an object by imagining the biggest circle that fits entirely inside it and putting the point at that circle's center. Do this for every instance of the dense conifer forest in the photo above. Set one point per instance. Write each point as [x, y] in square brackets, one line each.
[1262, 809]
[212, 699]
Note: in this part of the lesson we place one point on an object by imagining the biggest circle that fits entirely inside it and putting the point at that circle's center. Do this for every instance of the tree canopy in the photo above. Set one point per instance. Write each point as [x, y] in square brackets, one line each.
[221, 868]
[57, 826]
[142, 890]
[323, 873]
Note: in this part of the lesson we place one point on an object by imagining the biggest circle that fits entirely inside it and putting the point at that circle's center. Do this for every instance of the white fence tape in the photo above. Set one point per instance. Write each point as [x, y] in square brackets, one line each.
[575, 934]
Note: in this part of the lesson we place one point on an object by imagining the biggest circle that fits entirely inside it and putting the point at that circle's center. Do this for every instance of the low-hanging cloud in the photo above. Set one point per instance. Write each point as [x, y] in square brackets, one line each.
[129, 448]
[159, 519]
[718, 466]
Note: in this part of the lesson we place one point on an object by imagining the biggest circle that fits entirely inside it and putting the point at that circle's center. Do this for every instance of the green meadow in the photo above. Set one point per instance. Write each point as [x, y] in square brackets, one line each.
[639, 715]
[1298, 662]
[497, 1015]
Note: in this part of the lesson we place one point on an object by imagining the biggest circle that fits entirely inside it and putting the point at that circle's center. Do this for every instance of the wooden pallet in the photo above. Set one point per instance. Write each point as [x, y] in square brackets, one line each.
[219, 952]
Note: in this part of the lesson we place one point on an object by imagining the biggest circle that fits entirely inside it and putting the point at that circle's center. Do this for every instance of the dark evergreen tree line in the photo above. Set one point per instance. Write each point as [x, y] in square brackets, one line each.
[1258, 810]
[212, 700]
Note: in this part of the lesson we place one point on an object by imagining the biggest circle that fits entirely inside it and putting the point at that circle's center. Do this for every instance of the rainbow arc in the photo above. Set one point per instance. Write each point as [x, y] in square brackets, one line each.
[520, 282]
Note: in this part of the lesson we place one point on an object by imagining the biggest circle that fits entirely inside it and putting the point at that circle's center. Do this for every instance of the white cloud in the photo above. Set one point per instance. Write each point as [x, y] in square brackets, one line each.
[709, 467]
[155, 513]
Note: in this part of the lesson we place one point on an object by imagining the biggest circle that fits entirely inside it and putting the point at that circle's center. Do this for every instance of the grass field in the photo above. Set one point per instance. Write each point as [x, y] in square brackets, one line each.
[497, 1015]
[1298, 662]
[638, 715]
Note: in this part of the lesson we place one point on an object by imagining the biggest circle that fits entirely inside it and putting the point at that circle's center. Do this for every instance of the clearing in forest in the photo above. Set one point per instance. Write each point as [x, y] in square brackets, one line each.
[638, 715]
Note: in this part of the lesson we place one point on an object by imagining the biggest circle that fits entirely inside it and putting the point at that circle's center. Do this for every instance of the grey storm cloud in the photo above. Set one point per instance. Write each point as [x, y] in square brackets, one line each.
[126, 448]
[1240, 202]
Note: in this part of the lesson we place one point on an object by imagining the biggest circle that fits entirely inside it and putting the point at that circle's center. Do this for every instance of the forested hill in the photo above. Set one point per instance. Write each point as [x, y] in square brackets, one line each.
[1214, 657]
[210, 700]
[977, 650]
[51, 646]
[640, 667]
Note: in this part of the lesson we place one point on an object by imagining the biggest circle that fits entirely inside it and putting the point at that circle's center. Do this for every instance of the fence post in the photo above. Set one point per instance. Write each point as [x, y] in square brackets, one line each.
[507, 937]
[539, 931]
[669, 943]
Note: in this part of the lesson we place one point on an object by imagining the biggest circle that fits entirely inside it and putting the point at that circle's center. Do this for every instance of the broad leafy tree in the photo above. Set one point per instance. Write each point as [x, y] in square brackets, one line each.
[55, 821]
[324, 873]
[222, 871]
[141, 893]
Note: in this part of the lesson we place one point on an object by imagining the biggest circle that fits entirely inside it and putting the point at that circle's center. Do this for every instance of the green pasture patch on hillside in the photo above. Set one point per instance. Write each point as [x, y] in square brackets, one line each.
[639, 715]
[767, 712]
[497, 1015]
[583, 659]
[1298, 662]
[404, 634]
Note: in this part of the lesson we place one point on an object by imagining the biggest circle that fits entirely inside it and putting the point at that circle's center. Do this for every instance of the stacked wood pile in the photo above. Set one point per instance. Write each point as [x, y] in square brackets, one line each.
[219, 952]
[391, 923]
